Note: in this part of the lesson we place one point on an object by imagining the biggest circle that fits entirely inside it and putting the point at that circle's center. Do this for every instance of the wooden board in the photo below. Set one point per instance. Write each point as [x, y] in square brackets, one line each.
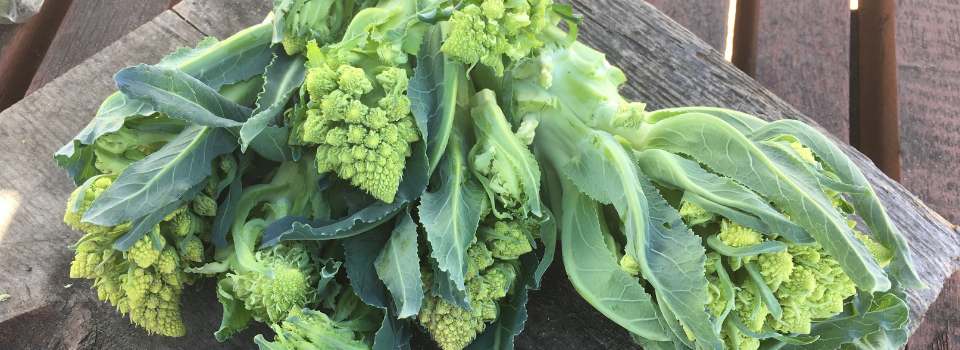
[928, 79]
[88, 27]
[803, 56]
[22, 52]
[665, 64]
[707, 19]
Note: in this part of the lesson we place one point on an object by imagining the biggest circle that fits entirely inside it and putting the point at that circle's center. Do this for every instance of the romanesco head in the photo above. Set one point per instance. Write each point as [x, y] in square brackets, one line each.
[293, 44]
[367, 145]
[805, 153]
[693, 214]
[75, 208]
[879, 252]
[750, 309]
[353, 81]
[204, 205]
[795, 318]
[194, 251]
[743, 342]
[480, 259]
[775, 267]
[735, 235]
[494, 29]
[143, 252]
[309, 329]
[716, 298]
[630, 265]
[507, 241]
[710, 264]
[292, 286]
[154, 302]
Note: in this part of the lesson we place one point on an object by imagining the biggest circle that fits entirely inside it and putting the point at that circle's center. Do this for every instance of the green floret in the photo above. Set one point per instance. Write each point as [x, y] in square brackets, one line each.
[630, 265]
[693, 214]
[735, 235]
[879, 252]
[750, 309]
[293, 44]
[153, 300]
[716, 298]
[143, 252]
[291, 288]
[480, 259]
[494, 29]
[90, 190]
[805, 153]
[775, 268]
[204, 205]
[505, 240]
[134, 140]
[364, 143]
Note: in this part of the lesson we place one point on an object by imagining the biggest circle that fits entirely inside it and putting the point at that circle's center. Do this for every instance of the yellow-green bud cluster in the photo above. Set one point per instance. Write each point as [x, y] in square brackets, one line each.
[292, 286]
[364, 144]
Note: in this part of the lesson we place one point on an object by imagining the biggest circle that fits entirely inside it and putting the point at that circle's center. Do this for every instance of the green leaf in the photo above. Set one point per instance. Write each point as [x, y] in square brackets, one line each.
[225, 213]
[146, 223]
[432, 92]
[596, 274]
[361, 254]
[889, 313]
[393, 334]
[548, 236]
[765, 247]
[281, 80]
[451, 214]
[398, 265]
[236, 317]
[671, 256]
[360, 220]
[180, 96]
[867, 205]
[75, 157]
[217, 63]
[765, 293]
[271, 143]
[162, 177]
[673, 171]
[744, 123]
[776, 176]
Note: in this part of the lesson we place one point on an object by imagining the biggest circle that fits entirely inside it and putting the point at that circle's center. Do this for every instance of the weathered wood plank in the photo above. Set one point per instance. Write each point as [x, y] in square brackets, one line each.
[221, 19]
[21, 55]
[928, 82]
[707, 19]
[41, 312]
[87, 28]
[803, 56]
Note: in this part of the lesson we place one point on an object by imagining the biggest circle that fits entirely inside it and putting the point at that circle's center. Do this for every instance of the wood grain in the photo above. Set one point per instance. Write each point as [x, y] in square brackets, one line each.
[666, 66]
[87, 28]
[928, 79]
[803, 56]
[707, 19]
[21, 55]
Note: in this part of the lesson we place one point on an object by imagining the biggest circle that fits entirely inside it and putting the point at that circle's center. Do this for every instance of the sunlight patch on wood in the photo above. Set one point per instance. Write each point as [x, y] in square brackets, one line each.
[9, 203]
[731, 19]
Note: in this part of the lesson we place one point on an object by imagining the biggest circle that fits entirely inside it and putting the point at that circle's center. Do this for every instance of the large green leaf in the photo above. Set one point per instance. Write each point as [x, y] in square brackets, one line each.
[673, 171]
[361, 254]
[670, 256]
[218, 63]
[162, 177]
[398, 265]
[867, 205]
[596, 274]
[180, 96]
[778, 176]
[281, 80]
[432, 92]
[451, 214]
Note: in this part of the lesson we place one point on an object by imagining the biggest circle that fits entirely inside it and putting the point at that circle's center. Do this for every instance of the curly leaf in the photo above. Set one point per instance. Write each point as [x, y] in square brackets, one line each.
[888, 313]
[867, 205]
[398, 265]
[162, 177]
[281, 80]
[765, 247]
[671, 256]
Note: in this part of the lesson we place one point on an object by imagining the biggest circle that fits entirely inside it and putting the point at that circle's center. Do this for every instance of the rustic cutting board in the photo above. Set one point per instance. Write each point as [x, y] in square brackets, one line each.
[666, 66]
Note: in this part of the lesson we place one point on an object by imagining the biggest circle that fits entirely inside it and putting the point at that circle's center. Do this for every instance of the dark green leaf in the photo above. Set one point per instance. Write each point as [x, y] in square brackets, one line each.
[398, 265]
[225, 214]
[361, 253]
[180, 96]
[162, 177]
[432, 92]
[281, 80]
